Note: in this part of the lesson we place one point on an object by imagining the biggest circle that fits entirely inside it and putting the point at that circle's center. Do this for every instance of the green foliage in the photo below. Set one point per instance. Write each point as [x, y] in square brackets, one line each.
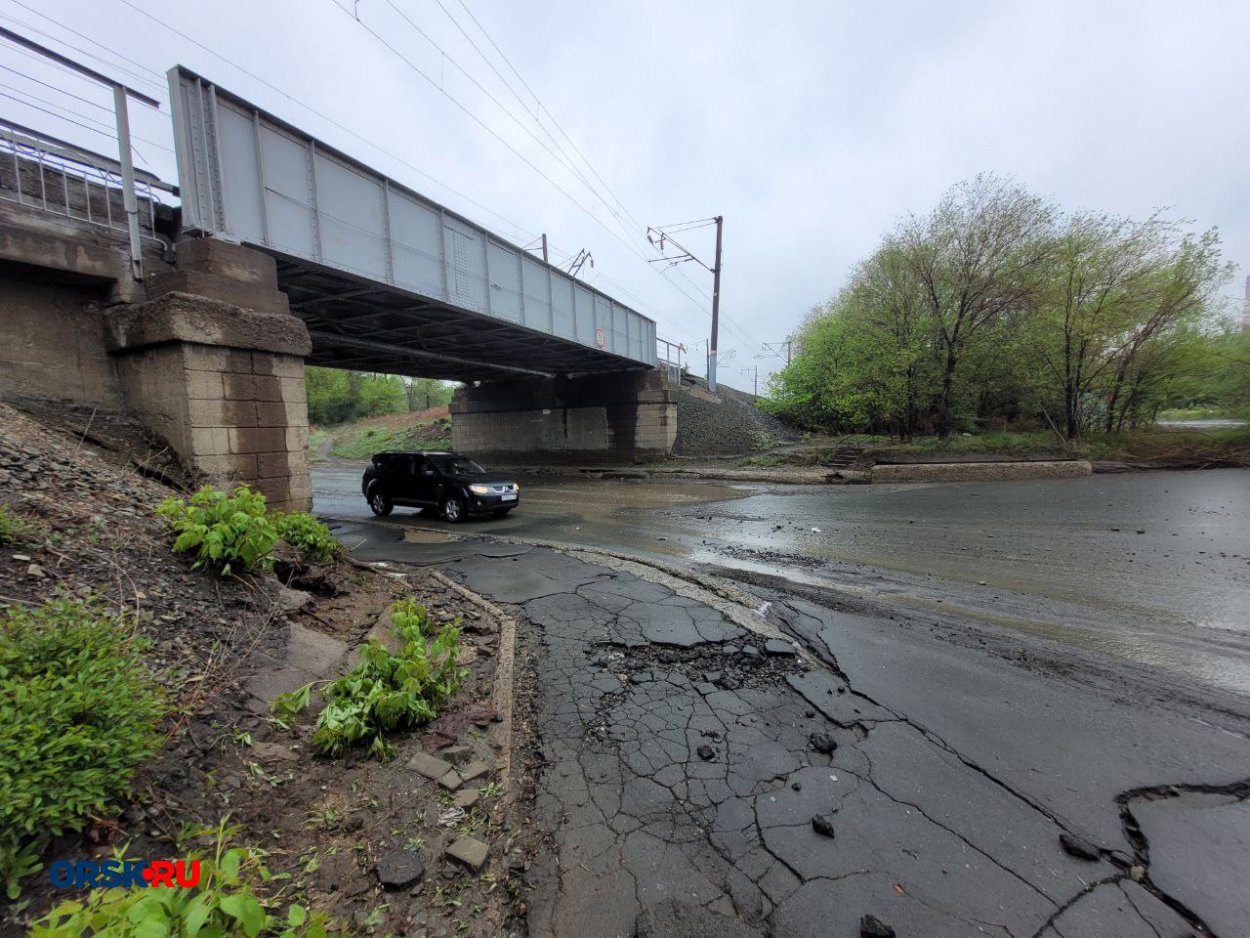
[308, 535]
[995, 310]
[226, 533]
[336, 396]
[363, 442]
[12, 527]
[225, 904]
[78, 713]
[385, 691]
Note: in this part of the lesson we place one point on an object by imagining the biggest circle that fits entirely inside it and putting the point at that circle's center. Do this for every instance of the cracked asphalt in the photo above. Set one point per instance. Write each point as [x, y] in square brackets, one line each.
[694, 762]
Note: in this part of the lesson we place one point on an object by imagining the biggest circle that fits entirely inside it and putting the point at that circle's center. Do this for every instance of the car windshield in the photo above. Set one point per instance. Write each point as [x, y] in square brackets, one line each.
[456, 465]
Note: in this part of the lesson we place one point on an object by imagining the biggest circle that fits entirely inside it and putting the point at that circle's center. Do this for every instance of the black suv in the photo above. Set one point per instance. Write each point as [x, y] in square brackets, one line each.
[454, 485]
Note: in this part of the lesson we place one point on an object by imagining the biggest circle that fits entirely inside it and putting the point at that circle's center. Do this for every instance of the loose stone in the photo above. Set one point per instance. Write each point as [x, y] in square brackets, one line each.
[400, 869]
[822, 743]
[822, 825]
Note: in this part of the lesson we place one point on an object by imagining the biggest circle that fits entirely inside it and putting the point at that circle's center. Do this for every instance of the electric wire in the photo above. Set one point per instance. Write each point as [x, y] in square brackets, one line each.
[330, 120]
[158, 79]
[62, 91]
[46, 35]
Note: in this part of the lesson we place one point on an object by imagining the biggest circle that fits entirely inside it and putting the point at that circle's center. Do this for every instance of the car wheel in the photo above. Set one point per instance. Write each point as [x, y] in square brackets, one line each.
[502, 512]
[453, 509]
[380, 503]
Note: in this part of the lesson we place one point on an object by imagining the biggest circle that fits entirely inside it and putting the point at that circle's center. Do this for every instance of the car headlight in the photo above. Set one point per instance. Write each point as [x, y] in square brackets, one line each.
[480, 489]
[515, 487]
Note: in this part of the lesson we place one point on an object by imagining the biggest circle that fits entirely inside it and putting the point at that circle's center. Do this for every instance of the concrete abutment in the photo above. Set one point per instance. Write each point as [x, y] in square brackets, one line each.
[208, 357]
[621, 417]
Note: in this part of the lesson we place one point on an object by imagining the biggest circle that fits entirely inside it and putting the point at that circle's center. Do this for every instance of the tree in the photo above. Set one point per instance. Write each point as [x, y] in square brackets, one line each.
[981, 255]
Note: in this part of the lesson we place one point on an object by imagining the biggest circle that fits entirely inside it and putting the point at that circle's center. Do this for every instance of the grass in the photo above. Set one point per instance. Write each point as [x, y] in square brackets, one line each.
[1196, 413]
[1216, 446]
[362, 439]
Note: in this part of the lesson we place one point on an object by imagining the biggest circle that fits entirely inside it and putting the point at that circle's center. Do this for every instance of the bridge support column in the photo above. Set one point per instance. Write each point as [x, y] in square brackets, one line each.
[214, 363]
[623, 417]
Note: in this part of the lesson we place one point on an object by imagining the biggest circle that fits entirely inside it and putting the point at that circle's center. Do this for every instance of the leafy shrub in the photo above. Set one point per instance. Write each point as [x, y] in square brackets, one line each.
[308, 535]
[385, 691]
[226, 533]
[78, 712]
[12, 527]
[225, 903]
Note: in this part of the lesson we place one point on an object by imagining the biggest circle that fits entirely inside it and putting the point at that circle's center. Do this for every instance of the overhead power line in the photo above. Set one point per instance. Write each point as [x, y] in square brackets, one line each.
[329, 120]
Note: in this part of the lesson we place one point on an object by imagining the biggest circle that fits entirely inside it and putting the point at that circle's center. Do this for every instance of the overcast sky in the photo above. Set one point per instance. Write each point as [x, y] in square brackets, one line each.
[812, 127]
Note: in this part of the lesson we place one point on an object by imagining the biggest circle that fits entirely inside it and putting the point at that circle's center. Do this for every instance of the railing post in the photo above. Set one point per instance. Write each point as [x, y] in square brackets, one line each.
[129, 201]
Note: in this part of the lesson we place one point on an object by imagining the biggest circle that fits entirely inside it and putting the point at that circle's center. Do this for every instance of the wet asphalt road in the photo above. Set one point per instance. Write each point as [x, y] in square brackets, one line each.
[1150, 568]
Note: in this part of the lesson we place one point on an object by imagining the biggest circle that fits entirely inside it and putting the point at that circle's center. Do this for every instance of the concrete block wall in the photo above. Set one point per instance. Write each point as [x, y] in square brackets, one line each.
[223, 383]
[621, 417]
[233, 414]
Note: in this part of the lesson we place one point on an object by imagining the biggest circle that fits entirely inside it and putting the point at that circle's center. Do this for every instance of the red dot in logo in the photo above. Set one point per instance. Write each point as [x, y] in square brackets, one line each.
[148, 873]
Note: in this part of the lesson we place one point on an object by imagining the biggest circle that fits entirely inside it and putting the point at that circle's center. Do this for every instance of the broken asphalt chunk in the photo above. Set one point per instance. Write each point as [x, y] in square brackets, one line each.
[822, 743]
[706, 753]
[822, 825]
[1079, 847]
[872, 927]
[776, 647]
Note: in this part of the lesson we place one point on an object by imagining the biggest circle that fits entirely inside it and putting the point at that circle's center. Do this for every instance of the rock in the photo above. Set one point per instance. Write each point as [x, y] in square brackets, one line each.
[797, 786]
[775, 646]
[1137, 873]
[750, 653]
[1079, 847]
[466, 798]
[430, 766]
[35, 571]
[22, 558]
[268, 753]
[706, 753]
[450, 781]
[400, 869]
[822, 825]
[822, 743]
[470, 851]
[872, 927]
[474, 770]
[672, 918]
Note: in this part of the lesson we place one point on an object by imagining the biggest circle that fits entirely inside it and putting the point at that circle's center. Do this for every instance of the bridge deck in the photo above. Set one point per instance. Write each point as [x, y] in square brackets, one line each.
[386, 279]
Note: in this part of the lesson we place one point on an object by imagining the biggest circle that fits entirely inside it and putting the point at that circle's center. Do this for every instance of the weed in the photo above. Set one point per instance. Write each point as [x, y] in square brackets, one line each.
[78, 713]
[385, 691]
[225, 904]
[12, 527]
[326, 818]
[226, 533]
[308, 535]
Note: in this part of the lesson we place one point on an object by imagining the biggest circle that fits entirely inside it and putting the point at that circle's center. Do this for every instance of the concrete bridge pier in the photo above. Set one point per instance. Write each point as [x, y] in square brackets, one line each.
[619, 417]
[213, 361]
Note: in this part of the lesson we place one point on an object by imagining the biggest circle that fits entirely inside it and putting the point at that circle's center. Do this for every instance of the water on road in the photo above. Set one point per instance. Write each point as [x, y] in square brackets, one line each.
[1150, 567]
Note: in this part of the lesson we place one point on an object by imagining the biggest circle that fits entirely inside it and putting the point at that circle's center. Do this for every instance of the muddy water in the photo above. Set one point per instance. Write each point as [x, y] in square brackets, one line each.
[1152, 567]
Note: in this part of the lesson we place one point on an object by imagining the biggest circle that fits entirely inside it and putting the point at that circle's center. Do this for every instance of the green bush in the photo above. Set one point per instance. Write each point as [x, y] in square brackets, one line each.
[12, 527]
[308, 535]
[226, 533]
[78, 713]
[385, 691]
[225, 903]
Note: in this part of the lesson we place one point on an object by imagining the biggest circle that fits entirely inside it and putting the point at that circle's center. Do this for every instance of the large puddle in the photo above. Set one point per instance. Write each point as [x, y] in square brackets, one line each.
[1153, 567]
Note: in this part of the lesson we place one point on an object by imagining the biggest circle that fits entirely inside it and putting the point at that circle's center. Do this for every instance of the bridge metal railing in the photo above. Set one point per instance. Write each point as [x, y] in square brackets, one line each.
[668, 359]
[47, 174]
